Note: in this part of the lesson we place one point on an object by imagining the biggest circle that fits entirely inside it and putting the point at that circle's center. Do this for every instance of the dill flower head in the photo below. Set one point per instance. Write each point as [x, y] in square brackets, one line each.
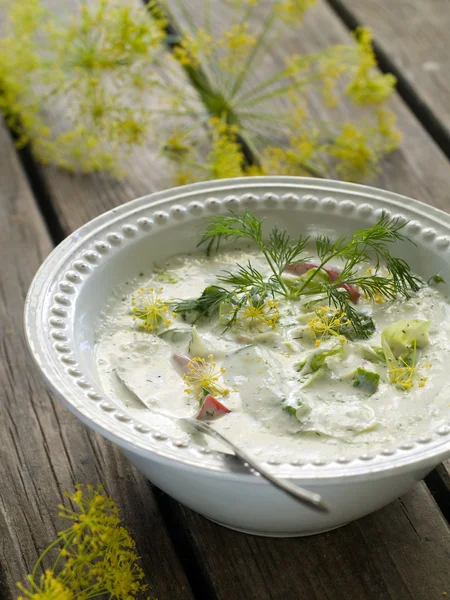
[242, 138]
[292, 11]
[405, 375]
[91, 73]
[106, 79]
[203, 375]
[369, 86]
[48, 588]
[328, 321]
[150, 309]
[354, 155]
[97, 555]
[237, 41]
[258, 315]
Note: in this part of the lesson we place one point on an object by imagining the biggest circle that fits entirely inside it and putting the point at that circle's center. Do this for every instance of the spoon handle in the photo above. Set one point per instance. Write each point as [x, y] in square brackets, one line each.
[300, 494]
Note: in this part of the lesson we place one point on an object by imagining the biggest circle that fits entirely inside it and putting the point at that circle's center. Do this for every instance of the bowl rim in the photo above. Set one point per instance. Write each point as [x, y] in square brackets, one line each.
[82, 251]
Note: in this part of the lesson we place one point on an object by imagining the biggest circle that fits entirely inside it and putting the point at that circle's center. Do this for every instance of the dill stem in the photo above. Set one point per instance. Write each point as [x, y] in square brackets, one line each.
[274, 271]
[44, 554]
[315, 271]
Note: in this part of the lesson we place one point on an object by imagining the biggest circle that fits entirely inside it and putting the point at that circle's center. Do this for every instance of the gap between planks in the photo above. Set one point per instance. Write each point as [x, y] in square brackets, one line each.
[408, 91]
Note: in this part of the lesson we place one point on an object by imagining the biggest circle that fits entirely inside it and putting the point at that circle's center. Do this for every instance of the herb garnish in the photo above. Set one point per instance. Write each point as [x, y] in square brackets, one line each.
[281, 250]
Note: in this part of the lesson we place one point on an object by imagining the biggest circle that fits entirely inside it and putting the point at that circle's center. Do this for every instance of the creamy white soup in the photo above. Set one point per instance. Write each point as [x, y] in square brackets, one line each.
[320, 360]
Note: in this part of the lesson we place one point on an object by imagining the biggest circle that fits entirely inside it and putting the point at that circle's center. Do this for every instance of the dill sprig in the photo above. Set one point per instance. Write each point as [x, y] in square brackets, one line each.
[280, 250]
[364, 246]
[205, 305]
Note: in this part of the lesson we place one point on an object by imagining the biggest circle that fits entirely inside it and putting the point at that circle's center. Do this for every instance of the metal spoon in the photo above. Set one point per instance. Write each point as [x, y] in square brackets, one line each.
[304, 496]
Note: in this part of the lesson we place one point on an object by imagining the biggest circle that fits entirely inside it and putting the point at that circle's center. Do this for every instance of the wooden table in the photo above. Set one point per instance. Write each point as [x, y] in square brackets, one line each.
[401, 552]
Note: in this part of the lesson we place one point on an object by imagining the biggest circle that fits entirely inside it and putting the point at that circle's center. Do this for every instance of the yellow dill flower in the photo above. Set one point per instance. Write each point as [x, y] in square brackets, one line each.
[351, 149]
[406, 375]
[328, 321]
[204, 375]
[147, 306]
[292, 159]
[190, 49]
[97, 555]
[292, 11]
[226, 158]
[260, 315]
[369, 86]
[99, 66]
[386, 128]
[48, 588]
[237, 41]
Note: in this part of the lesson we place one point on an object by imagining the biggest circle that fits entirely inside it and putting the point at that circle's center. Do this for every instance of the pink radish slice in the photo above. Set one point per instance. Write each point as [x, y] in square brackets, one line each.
[211, 409]
[301, 268]
[181, 360]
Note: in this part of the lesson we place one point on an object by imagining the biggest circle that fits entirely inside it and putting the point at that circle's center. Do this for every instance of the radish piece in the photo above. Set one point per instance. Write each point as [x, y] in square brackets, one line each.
[211, 409]
[182, 361]
[302, 268]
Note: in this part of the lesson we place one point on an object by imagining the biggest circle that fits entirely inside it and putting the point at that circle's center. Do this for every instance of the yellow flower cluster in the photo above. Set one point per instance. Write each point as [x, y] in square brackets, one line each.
[368, 85]
[292, 11]
[96, 74]
[190, 49]
[97, 555]
[203, 376]
[328, 321]
[260, 315]
[97, 68]
[147, 306]
[237, 42]
[405, 375]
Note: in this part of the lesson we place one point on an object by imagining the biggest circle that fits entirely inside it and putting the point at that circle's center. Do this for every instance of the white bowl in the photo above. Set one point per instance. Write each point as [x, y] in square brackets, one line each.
[71, 287]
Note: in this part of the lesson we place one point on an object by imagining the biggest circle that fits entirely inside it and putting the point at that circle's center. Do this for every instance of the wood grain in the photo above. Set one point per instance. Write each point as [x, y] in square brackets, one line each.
[414, 37]
[45, 450]
[399, 553]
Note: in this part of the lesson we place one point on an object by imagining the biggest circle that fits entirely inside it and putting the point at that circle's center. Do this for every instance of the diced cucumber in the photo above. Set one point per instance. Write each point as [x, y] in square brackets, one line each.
[197, 346]
[176, 335]
[366, 380]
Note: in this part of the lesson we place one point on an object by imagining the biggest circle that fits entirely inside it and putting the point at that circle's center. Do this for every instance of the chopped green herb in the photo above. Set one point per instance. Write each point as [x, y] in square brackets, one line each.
[367, 380]
[436, 279]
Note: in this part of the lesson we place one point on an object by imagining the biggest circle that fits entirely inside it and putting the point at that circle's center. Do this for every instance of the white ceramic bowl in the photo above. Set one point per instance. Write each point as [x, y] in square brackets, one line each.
[69, 290]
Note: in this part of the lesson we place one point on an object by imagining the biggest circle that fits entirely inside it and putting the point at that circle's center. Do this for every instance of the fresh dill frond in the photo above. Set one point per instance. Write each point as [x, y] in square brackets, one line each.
[205, 305]
[248, 279]
[232, 227]
[341, 288]
[358, 325]
[367, 245]
[280, 250]
[243, 277]
[283, 250]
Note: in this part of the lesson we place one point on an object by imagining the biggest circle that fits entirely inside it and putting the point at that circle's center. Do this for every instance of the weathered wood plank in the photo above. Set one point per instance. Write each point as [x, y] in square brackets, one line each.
[414, 37]
[399, 553]
[45, 450]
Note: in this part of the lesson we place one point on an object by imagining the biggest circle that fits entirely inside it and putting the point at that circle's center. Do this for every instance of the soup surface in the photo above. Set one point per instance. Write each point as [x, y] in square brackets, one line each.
[286, 377]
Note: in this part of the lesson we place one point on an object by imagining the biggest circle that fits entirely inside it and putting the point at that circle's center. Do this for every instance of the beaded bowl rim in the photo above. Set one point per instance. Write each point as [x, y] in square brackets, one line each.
[51, 300]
